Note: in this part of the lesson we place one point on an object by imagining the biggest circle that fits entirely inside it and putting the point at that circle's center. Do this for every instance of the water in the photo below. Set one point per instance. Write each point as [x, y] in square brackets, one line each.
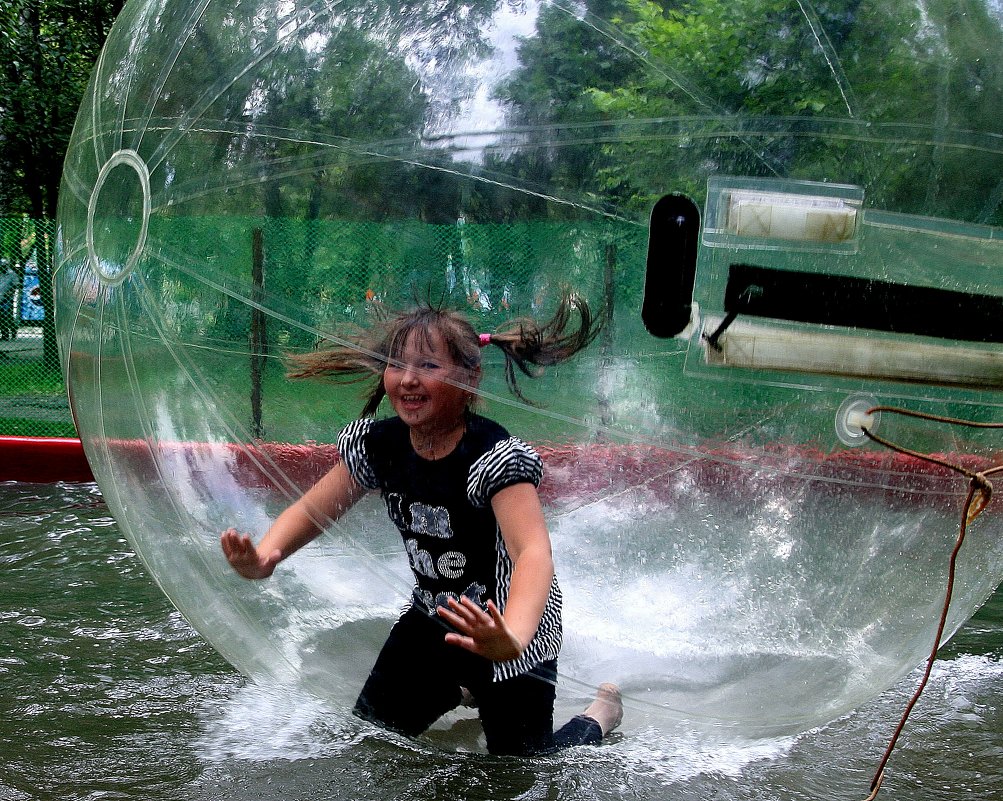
[108, 693]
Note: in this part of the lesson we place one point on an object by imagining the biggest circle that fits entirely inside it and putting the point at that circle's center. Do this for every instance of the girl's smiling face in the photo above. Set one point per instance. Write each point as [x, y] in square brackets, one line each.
[426, 388]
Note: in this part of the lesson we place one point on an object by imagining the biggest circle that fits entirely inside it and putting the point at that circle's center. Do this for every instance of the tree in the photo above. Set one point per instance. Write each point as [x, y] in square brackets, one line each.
[47, 49]
[621, 100]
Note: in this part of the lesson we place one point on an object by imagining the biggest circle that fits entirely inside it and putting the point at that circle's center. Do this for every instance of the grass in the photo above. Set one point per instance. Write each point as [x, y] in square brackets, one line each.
[20, 427]
[30, 378]
[20, 379]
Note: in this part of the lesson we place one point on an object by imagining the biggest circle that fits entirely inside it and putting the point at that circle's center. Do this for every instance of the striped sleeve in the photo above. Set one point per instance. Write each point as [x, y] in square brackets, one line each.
[546, 643]
[352, 447]
[510, 461]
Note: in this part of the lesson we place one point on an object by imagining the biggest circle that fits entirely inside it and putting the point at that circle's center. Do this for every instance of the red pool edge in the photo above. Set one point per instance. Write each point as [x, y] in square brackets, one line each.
[43, 460]
[579, 470]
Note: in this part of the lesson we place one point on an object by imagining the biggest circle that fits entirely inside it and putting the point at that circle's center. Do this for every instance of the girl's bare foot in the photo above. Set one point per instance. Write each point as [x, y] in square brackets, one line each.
[607, 709]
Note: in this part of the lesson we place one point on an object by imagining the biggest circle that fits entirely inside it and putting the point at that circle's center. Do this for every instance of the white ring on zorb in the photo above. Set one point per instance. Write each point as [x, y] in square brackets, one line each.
[132, 159]
[852, 418]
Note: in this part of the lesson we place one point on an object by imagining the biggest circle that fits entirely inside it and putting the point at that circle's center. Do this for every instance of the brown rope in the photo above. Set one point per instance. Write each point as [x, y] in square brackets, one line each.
[980, 491]
[936, 418]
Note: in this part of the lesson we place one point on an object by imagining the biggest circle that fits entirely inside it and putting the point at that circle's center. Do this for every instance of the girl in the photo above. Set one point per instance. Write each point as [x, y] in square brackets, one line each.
[485, 616]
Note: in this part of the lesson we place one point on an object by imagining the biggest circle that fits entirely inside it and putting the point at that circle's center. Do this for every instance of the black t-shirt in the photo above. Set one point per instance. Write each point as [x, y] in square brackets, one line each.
[442, 509]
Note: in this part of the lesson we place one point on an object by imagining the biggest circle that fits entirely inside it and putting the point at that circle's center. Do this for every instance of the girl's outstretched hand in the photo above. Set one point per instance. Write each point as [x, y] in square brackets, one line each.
[244, 558]
[483, 633]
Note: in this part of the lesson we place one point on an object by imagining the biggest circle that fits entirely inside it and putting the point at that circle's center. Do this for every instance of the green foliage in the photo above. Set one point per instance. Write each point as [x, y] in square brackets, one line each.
[880, 94]
[47, 48]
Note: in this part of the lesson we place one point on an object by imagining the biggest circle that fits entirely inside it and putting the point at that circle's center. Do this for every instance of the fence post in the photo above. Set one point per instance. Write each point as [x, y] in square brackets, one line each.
[258, 341]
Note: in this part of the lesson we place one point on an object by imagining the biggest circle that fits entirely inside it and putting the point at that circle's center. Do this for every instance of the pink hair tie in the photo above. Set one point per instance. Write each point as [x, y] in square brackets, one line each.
[485, 339]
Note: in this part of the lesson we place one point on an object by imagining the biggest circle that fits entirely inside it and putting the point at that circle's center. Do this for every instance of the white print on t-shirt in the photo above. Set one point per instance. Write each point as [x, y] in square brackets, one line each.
[475, 592]
[432, 521]
[449, 565]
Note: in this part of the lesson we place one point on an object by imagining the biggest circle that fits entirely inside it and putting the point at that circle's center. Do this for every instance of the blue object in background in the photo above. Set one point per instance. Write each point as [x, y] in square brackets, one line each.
[32, 310]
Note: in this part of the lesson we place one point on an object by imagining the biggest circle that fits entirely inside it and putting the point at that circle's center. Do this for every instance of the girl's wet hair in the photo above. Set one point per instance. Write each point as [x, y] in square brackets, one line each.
[528, 346]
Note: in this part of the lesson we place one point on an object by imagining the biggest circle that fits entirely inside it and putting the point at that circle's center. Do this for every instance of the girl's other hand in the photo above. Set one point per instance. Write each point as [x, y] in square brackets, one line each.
[244, 558]
[483, 633]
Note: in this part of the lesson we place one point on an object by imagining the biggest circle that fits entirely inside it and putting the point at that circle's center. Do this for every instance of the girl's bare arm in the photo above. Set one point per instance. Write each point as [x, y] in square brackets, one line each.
[492, 634]
[325, 501]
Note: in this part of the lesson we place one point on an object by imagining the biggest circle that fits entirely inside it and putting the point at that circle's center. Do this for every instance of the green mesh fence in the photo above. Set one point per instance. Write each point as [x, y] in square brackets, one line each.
[32, 395]
[307, 273]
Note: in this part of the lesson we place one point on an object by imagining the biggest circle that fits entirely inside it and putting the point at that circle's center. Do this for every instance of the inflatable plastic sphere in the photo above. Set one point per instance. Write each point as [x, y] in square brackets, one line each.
[785, 213]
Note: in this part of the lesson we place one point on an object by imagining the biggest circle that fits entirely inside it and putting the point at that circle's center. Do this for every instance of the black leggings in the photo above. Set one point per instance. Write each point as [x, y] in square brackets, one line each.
[417, 679]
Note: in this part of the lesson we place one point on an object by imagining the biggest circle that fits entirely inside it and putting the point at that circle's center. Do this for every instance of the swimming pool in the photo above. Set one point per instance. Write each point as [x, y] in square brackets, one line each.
[109, 693]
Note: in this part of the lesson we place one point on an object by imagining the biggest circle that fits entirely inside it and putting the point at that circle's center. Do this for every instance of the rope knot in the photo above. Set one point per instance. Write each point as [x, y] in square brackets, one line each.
[981, 492]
